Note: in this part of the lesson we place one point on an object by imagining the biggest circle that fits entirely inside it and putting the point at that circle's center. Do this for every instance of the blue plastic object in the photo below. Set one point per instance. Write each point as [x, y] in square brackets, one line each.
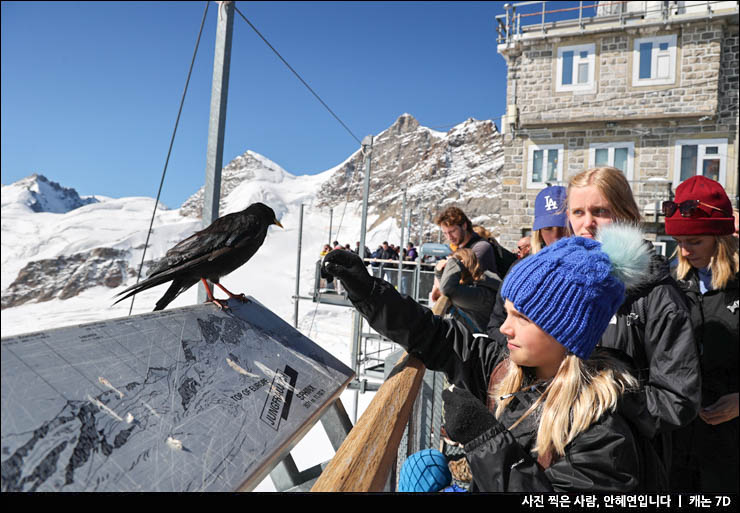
[424, 471]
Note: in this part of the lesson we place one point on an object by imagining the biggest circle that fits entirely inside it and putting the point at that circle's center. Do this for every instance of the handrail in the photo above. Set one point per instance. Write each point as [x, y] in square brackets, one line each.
[365, 458]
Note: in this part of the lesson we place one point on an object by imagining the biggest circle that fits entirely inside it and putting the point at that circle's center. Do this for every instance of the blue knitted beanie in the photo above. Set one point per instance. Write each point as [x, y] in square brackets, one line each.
[572, 288]
[424, 471]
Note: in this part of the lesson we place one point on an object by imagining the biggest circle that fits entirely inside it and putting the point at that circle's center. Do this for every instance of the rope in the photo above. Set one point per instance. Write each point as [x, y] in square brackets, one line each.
[169, 152]
[297, 75]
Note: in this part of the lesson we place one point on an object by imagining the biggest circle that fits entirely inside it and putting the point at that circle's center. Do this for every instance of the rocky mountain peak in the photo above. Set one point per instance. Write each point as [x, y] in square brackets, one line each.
[249, 166]
[43, 195]
[437, 169]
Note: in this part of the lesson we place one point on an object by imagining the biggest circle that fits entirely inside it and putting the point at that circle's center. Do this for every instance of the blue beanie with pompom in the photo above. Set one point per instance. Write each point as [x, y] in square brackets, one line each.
[572, 288]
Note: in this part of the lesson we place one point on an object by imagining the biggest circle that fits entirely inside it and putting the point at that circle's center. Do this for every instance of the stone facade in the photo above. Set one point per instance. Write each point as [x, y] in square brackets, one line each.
[700, 104]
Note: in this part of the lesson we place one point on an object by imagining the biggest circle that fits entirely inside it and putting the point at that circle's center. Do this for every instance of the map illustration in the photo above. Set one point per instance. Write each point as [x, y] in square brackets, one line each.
[187, 399]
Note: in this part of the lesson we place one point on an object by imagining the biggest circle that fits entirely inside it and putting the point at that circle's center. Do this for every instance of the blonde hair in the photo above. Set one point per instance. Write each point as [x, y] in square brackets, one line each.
[724, 263]
[613, 185]
[471, 270]
[482, 232]
[536, 242]
[579, 394]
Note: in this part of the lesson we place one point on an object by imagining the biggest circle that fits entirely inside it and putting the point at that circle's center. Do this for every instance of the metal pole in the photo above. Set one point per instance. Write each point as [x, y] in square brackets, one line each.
[217, 123]
[298, 268]
[331, 219]
[400, 252]
[367, 148]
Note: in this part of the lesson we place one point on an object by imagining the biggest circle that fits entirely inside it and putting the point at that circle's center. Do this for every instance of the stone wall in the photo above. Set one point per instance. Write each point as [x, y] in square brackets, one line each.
[695, 90]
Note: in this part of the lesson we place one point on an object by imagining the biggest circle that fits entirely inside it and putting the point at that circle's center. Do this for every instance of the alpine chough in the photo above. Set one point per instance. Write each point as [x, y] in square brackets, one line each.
[209, 254]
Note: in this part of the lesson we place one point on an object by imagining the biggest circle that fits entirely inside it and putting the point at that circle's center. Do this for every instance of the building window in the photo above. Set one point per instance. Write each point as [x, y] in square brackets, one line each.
[654, 60]
[705, 157]
[620, 155]
[545, 165]
[576, 68]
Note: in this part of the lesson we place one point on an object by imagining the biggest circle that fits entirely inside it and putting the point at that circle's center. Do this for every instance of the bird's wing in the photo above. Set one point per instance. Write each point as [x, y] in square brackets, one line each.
[224, 233]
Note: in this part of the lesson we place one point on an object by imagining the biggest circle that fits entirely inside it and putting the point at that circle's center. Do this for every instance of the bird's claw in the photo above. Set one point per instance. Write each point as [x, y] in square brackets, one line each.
[241, 297]
[220, 303]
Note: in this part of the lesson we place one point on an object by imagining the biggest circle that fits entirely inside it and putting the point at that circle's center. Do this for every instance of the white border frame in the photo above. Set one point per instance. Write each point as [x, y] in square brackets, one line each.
[590, 86]
[630, 171]
[672, 40]
[530, 163]
[722, 143]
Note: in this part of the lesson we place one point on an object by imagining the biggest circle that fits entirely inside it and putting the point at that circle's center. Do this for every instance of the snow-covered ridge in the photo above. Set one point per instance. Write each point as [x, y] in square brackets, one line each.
[39, 194]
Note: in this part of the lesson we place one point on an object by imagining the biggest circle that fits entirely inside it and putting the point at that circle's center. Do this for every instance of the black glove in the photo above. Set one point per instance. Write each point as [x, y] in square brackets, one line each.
[466, 417]
[350, 270]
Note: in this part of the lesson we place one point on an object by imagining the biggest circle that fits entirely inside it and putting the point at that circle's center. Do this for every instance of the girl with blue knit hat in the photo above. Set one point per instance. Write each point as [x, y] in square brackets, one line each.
[540, 413]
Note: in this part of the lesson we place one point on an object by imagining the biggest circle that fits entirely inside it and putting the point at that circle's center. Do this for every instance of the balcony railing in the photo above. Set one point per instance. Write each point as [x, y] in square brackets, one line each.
[532, 17]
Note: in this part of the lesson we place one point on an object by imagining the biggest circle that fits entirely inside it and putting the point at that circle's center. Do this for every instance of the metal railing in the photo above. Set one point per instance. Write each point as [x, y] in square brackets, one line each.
[517, 20]
[416, 280]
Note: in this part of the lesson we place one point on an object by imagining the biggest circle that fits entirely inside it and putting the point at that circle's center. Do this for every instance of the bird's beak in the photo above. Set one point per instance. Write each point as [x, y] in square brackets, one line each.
[278, 223]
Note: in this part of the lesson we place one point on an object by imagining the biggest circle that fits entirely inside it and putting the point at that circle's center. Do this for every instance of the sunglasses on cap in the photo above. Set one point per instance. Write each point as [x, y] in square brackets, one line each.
[688, 208]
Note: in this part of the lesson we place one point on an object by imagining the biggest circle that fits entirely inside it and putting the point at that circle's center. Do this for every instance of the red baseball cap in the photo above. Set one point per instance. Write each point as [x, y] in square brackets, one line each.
[714, 222]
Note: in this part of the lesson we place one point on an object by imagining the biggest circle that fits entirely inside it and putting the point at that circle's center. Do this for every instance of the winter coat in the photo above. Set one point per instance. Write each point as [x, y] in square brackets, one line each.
[706, 457]
[604, 458]
[473, 301]
[652, 329]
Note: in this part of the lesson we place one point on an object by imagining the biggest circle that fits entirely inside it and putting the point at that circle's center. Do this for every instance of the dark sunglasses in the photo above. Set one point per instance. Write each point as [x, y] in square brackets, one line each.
[688, 208]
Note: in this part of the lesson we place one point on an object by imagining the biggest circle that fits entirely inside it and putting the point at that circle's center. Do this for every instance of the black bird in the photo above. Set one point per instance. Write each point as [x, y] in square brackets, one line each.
[213, 252]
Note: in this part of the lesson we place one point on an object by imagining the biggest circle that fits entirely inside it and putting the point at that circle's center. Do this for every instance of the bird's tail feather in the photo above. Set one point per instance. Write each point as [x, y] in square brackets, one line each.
[142, 285]
[172, 292]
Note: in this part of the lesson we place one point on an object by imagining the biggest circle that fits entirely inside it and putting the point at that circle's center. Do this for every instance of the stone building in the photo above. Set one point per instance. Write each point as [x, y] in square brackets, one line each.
[648, 87]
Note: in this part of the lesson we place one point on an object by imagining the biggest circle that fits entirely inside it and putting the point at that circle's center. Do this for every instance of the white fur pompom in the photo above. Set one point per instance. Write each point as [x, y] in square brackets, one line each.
[629, 255]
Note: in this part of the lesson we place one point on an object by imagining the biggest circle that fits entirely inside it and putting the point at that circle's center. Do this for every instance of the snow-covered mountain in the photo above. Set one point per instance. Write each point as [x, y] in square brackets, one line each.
[58, 247]
[39, 194]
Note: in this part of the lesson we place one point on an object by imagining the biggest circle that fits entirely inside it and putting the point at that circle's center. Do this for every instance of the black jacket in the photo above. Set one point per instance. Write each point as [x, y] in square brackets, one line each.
[475, 300]
[603, 458]
[653, 330]
[707, 456]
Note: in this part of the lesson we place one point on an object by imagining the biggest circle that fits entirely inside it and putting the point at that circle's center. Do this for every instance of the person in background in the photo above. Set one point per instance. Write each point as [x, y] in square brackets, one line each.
[652, 329]
[503, 257]
[409, 255]
[366, 254]
[389, 270]
[542, 412]
[700, 220]
[550, 219]
[523, 247]
[458, 230]
[471, 291]
[736, 215]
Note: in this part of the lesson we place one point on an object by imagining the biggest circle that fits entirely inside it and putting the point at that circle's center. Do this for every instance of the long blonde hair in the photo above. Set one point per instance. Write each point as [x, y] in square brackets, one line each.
[579, 394]
[615, 188]
[471, 270]
[724, 263]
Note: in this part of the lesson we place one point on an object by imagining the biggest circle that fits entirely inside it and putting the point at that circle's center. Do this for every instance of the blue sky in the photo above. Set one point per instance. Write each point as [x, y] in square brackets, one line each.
[90, 90]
